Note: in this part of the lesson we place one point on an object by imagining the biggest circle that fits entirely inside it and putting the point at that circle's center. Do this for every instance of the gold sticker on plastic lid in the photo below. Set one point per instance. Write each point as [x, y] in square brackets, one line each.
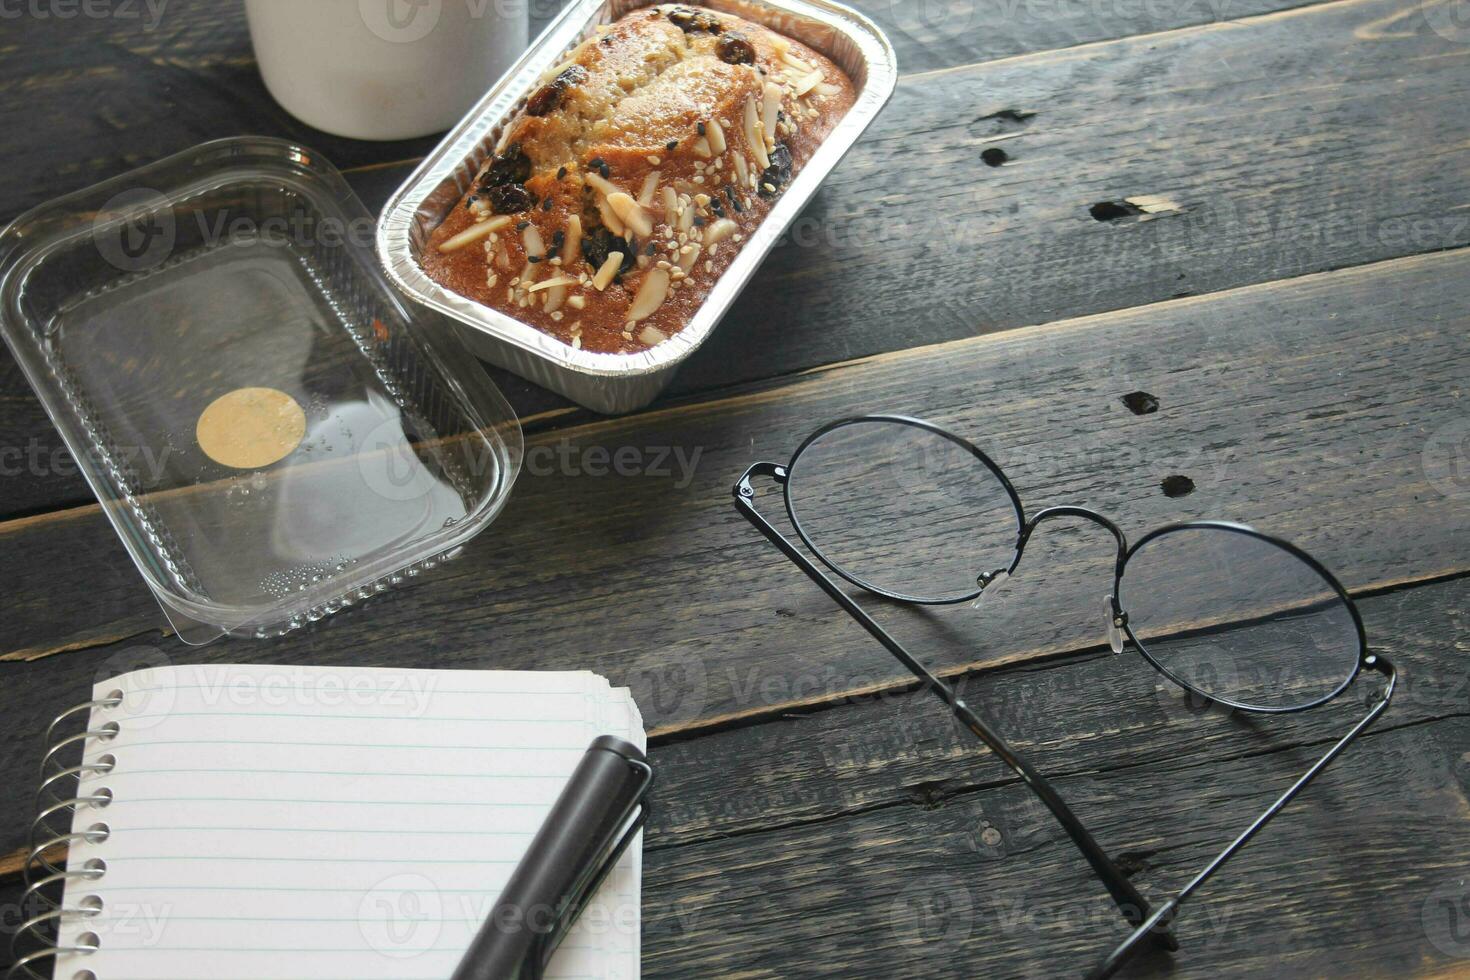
[250, 428]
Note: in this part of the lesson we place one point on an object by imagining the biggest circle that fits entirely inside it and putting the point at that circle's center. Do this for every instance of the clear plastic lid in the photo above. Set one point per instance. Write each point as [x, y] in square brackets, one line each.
[270, 429]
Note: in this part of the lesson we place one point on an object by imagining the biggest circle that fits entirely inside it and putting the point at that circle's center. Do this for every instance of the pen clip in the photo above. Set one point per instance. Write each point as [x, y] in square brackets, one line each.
[593, 877]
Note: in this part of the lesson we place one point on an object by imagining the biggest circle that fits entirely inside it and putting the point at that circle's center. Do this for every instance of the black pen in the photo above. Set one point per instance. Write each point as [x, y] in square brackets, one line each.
[597, 815]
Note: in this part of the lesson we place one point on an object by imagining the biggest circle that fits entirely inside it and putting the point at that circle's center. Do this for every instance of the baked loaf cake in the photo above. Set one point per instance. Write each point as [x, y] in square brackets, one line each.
[626, 186]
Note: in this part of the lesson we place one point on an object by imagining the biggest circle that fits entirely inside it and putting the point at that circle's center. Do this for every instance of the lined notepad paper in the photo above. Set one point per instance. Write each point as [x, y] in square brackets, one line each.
[284, 823]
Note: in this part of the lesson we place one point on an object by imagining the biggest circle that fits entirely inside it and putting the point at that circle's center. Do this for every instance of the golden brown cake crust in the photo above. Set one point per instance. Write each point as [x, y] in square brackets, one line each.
[623, 142]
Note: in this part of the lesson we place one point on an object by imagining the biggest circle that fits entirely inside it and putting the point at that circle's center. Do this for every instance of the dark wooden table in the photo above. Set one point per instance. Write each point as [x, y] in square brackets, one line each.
[1299, 305]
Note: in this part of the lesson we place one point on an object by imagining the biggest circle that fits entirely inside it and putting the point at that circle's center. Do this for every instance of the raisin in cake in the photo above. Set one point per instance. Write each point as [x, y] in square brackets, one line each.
[629, 182]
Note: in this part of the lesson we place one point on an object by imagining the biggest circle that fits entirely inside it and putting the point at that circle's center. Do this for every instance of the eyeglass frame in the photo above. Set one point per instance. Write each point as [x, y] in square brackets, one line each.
[1148, 924]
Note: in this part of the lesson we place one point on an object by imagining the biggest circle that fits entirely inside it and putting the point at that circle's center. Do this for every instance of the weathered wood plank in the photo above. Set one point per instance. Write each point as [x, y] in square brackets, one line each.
[935, 34]
[1338, 885]
[1247, 141]
[1282, 145]
[1095, 713]
[1255, 130]
[1089, 713]
[159, 79]
[662, 584]
[927, 819]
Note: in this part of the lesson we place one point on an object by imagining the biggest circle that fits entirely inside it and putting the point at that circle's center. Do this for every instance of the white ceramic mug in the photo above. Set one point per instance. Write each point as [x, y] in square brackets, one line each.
[384, 69]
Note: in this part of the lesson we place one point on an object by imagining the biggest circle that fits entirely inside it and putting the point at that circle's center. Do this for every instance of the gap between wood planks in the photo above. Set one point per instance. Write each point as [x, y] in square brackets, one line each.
[1114, 162]
[757, 394]
[537, 430]
[961, 790]
[1070, 50]
[12, 864]
[1045, 54]
[777, 387]
[1026, 659]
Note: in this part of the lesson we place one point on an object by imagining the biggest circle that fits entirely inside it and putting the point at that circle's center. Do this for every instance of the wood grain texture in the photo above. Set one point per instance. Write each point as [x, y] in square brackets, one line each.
[935, 34]
[1292, 143]
[1271, 147]
[932, 850]
[880, 816]
[898, 747]
[1286, 144]
[661, 585]
[816, 816]
[1090, 713]
[156, 79]
[1337, 886]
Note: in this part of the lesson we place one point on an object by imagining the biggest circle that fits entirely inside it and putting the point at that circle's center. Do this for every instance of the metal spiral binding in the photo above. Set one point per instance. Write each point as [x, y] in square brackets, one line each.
[45, 881]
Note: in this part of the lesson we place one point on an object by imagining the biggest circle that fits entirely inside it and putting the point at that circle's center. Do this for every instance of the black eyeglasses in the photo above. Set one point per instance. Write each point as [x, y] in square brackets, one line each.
[905, 509]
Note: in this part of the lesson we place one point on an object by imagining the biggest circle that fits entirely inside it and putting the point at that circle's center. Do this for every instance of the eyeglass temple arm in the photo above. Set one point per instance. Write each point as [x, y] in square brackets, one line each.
[1127, 897]
[1164, 914]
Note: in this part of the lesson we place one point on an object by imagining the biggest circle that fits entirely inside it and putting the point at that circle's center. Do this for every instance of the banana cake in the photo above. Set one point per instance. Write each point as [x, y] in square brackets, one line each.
[634, 174]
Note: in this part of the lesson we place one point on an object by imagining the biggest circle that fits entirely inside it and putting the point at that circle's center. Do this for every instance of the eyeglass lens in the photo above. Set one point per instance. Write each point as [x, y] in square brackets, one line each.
[1239, 618]
[902, 509]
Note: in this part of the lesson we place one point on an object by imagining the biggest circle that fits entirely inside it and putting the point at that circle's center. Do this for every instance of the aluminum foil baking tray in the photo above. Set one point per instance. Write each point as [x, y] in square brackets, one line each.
[615, 383]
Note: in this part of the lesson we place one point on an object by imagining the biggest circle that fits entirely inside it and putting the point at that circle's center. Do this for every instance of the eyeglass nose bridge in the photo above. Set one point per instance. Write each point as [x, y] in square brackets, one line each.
[989, 582]
[1082, 513]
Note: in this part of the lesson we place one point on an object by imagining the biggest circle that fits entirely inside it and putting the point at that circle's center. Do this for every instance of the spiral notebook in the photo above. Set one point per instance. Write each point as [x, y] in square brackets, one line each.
[281, 823]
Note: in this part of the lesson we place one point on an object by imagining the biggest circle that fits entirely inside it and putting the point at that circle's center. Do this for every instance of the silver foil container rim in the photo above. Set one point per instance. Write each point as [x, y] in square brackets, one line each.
[855, 43]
